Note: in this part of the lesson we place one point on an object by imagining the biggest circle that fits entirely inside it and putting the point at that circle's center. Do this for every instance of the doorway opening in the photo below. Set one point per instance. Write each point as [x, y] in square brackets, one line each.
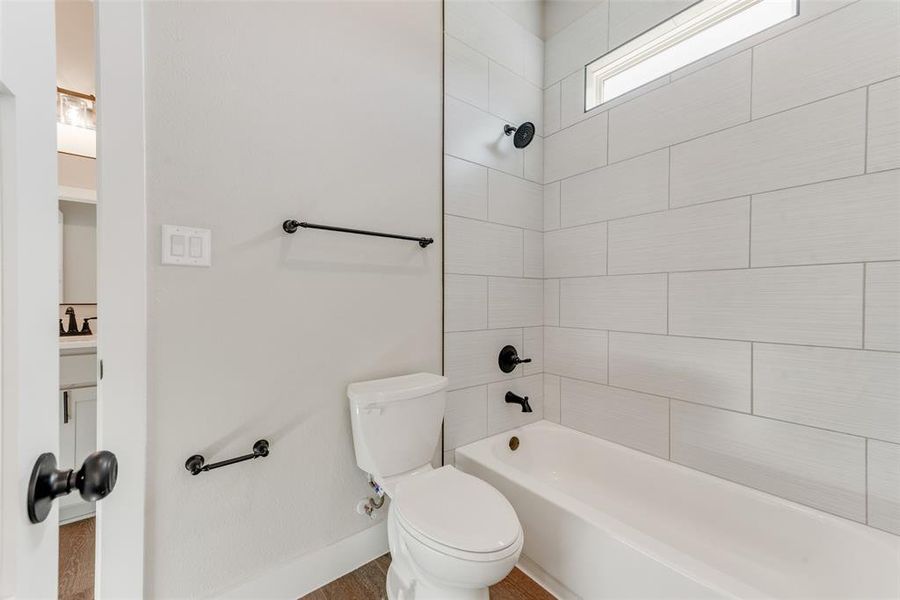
[78, 317]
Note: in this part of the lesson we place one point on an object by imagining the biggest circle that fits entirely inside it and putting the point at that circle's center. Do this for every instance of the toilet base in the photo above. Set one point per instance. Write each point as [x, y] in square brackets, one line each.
[397, 589]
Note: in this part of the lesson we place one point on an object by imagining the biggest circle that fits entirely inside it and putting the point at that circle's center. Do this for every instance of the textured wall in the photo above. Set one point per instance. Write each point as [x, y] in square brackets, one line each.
[493, 215]
[326, 111]
[721, 253]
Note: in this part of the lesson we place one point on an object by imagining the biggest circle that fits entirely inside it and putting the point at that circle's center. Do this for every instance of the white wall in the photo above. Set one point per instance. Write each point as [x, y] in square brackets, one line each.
[256, 112]
[493, 215]
[742, 218]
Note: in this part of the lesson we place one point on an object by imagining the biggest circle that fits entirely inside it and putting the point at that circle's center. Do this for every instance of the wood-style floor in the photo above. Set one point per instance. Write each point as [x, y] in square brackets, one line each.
[367, 583]
[76, 560]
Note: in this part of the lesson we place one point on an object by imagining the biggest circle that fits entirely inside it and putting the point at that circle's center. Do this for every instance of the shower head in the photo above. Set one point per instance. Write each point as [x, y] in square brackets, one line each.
[524, 133]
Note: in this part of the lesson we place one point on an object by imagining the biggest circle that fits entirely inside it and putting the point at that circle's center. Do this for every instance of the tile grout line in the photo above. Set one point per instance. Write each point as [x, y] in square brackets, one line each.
[723, 339]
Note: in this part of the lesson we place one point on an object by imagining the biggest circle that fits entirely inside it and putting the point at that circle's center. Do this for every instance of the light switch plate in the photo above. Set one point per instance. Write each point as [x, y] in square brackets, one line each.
[186, 246]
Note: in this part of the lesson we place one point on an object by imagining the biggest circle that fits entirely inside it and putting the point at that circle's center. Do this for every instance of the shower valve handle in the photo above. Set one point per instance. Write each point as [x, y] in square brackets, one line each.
[509, 359]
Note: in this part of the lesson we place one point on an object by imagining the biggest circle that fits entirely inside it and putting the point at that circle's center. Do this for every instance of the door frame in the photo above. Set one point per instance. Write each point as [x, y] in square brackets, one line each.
[121, 293]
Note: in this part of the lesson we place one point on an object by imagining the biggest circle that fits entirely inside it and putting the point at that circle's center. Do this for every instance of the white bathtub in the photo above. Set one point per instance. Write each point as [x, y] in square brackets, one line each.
[605, 521]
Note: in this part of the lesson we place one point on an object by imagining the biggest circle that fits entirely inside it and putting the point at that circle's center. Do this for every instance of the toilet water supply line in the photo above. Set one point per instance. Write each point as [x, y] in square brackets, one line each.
[374, 503]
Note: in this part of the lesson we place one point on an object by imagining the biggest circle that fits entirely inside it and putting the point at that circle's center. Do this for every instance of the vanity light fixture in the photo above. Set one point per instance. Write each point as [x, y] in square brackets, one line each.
[76, 123]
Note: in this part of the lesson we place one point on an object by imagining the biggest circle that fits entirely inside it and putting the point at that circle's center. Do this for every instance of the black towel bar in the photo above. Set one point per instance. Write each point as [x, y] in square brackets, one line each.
[291, 226]
[195, 464]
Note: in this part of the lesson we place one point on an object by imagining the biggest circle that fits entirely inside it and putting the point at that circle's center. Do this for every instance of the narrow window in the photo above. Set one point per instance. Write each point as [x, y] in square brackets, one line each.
[700, 30]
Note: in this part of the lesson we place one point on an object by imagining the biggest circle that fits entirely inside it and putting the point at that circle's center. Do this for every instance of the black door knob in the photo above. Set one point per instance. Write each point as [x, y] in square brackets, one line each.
[94, 480]
[509, 358]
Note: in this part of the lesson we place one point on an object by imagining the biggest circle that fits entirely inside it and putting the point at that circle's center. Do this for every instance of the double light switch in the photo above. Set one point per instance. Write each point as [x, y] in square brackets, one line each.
[186, 246]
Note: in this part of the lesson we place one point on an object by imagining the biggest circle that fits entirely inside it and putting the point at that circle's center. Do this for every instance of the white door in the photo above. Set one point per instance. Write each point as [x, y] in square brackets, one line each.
[29, 294]
[29, 389]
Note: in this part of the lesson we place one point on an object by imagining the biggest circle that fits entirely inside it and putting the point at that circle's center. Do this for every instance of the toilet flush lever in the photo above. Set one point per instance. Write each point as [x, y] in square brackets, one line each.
[509, 359]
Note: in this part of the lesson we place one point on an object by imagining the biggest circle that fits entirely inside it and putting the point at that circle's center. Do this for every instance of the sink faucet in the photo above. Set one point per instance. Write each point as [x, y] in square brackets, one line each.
[72, 329]
[521, 401]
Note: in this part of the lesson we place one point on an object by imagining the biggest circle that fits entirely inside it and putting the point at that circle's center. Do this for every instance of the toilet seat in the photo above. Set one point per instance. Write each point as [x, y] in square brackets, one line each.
[457, 515]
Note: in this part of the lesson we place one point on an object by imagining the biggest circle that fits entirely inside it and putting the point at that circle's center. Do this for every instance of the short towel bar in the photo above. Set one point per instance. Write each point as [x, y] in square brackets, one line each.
[195, 464]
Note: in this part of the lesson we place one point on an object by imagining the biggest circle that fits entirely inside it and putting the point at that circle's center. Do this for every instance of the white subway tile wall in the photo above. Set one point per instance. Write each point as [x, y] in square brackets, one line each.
[494, 210]
[722, 253]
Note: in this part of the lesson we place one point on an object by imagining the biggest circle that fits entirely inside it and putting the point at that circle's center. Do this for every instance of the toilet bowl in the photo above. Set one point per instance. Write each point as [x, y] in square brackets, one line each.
[451, 535]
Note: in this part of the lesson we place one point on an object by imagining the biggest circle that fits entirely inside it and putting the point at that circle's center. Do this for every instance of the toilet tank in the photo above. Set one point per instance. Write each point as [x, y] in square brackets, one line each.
[396, 421]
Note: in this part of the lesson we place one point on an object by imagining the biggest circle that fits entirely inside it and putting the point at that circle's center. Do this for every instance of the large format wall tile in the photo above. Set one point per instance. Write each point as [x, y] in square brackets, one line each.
[465, 73]
[515, 201]
[847, 49]
[551, 109]
[478, 248]
[578, 44]
[883, 150]
[713, 372]
[848, 220]
[559, 14]
[486, 28]
[709, 236]
[533, 348]
[709, 100]
[551, 397]
[883, 306]
[628, 19]
[465, 302]
[576, 149]
[534, 253]
[621, 302]
[629, 418]
[465, 189]
[476, 136]
[515, 302]
[551, 205]
[534, 160]
[884, 486]
[575, 252]
[571, 99]
[470, 357]
[800, 305]
[825, 140]
[465, 418]
[854, 391]
[819, 468]
[551, 302]
[631, 187]
[515, 99]
[502, 416]
[577, 353]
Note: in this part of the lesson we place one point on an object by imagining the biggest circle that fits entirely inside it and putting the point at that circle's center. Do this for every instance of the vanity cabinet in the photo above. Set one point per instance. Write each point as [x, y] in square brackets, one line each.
[77, 425]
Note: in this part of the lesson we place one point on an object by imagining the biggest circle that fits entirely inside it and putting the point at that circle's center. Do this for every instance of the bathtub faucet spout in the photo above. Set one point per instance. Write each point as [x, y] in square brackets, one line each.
[521, 401]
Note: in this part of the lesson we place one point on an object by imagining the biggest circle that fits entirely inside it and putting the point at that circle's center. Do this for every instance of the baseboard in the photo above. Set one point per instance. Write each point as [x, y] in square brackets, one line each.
[312, 571]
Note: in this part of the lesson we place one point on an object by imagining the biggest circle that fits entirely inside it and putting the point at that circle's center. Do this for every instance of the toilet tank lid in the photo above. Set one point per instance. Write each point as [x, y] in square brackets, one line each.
[392, 389]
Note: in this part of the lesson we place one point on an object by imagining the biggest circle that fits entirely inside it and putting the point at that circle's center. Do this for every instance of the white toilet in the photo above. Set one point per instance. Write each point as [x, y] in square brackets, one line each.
[451, 535]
